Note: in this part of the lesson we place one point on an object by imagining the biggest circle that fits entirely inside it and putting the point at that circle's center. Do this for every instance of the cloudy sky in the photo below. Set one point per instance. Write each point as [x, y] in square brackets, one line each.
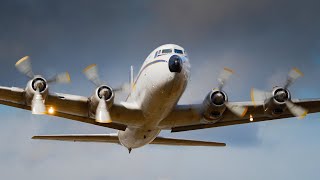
[261, 40]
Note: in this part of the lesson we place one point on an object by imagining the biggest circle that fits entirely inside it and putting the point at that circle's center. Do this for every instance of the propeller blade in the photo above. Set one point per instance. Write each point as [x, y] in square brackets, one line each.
[91, 73]
[293, 75]
[24, 66]
[224, 76]
[62, 78]
[126, 87]
[259, 96]
[238, 110]
[296, 110]
[37, 105]
[102, 112]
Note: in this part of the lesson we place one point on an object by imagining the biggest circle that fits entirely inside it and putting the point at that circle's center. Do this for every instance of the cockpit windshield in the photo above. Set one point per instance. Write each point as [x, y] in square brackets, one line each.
[178, 51]
[166, 51]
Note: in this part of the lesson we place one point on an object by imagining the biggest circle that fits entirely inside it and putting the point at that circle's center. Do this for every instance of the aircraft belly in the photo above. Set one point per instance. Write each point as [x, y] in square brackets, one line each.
[137, 137]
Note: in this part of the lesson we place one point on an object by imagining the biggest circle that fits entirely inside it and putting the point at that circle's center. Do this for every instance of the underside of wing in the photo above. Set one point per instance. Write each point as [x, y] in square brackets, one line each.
[187, 118]
[113, 138]
[72, 107]
[68, 116]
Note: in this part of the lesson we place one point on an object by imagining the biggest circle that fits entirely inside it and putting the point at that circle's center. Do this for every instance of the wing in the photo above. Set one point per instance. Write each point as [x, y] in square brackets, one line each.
[71, 107]
[113, 138]
[188, 117]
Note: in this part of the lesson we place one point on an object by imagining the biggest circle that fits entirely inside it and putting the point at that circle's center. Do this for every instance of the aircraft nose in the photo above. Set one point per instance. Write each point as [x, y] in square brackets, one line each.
[175, 64]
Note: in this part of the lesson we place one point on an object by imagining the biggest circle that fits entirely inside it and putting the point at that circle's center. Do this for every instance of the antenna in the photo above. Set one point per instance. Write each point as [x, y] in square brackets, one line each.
[131, 77]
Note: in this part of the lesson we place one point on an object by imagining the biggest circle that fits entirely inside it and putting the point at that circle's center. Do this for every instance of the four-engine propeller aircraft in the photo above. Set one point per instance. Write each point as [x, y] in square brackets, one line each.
[152, 103]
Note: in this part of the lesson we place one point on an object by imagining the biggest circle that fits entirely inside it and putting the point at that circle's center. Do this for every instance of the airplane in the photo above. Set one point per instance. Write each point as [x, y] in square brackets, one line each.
[152, 103]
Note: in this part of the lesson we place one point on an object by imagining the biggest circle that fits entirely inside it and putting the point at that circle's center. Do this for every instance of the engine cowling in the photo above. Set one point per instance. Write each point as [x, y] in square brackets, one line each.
[37, 82]
[276, 105]
[214, 105]
[102, 91]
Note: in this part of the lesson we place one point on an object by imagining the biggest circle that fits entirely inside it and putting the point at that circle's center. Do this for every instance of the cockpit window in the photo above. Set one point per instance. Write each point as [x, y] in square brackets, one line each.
[178, 51]
[165, 51]
[156, 55]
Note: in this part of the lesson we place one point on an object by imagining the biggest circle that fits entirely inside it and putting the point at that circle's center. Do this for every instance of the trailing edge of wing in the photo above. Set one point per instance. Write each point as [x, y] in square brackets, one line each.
[113, 138]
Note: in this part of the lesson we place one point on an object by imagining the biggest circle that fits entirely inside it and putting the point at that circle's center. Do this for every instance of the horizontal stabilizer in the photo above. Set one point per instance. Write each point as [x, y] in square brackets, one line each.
[106, 138]
[184, 142]
[113, 138]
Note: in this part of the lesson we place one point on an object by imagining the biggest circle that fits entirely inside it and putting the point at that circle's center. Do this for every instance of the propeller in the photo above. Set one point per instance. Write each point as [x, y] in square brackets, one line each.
[62, 78]
[102, 111]
[224, 76]
[237, 109]
[37, 105]
[259, 96]
[24, 66]
[92, 74]
[293, 75]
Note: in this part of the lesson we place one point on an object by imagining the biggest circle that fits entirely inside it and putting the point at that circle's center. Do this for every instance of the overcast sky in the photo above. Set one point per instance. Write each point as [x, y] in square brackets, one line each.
[261, 40]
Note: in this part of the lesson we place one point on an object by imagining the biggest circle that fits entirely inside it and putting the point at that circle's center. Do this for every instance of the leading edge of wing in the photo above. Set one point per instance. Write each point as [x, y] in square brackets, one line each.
[113, 138]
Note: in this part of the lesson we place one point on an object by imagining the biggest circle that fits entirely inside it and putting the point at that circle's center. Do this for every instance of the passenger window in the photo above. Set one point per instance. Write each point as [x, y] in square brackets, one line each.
[166, 51]
[178, 51]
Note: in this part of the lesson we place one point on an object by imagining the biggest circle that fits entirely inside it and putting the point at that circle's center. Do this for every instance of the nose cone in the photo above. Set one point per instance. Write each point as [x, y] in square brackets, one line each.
[175, 64]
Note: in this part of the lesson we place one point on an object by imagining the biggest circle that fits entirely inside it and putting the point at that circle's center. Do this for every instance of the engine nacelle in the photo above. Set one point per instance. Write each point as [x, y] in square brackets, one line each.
[276, 105]
[102, 91]
[36, 83]
[214, 105]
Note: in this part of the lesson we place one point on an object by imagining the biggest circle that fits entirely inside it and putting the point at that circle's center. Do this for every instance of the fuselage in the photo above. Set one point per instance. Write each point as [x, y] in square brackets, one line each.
[157, 89]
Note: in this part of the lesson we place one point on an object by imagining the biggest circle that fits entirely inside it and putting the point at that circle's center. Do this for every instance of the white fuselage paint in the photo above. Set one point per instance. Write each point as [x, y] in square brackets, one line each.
[156, 91]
